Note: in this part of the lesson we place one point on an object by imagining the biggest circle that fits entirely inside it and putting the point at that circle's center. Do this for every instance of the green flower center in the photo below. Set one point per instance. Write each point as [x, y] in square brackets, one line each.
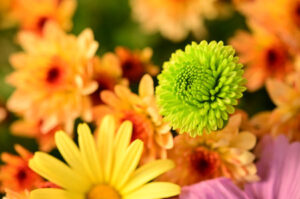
[197, 85]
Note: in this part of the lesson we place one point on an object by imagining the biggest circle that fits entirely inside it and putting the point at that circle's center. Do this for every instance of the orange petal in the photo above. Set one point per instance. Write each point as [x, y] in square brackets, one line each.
[165, 140]
[279, 91]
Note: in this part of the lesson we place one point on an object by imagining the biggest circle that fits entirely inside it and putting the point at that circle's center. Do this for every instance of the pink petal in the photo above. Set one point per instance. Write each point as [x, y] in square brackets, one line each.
[220, 188]
[278, 168]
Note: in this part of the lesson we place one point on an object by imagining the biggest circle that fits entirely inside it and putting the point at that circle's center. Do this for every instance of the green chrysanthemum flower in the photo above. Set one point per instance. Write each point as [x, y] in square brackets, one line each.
[198, 87]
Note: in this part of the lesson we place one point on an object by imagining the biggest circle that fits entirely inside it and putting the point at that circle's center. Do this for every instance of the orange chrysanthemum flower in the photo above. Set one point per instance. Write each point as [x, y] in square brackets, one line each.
[284, 13]
[174, 18]
[108, 73]
[15, 173]
[142, 111]
[53, 77]
[264, 54]
[136, 63]
[284, 119]
[32, 15]
[223, 153]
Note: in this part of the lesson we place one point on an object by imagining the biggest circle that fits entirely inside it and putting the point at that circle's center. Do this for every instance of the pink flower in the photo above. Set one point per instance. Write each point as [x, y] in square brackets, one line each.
[278, 168]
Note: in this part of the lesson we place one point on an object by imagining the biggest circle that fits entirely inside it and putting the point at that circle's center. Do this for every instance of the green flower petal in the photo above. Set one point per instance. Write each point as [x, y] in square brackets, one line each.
[198, 87]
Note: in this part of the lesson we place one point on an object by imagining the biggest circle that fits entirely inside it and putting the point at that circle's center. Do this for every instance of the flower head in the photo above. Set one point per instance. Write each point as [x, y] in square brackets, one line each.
[15, 174]
[32, 15]
[198, 87]
[264, 54]
[53, 77]
[284, 119]
[174, 19]
[277, 167]
[135, 64]
[284, 13]
[108, 73]
[225, 153]
[105, 168]
[142, 111]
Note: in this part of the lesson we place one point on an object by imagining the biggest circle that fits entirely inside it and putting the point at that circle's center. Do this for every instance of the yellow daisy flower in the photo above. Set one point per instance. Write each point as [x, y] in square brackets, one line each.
[142, 111]
[53, 77]
[102, 169]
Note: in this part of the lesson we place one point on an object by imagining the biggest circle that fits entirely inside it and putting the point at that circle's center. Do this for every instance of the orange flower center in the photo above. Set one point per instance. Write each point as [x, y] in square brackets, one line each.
[56, 72]
[21, 175]
[296, 13]
[103, 192]
[205, 162]
[132, 69]
[53, 75]
[41, 23]
[275, 58]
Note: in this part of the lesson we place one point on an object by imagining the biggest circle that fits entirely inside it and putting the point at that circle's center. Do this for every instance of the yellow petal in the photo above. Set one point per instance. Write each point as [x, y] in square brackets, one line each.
[147, 173]
[70, 152]
[239, 157]
[154, 190]
[146, 87]
[122, 141]
[246, 157]
[244, 140]
[57, 172]
[87, 43]
[105, 145]
[128, 164]
[89, 153]
[51, 193]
